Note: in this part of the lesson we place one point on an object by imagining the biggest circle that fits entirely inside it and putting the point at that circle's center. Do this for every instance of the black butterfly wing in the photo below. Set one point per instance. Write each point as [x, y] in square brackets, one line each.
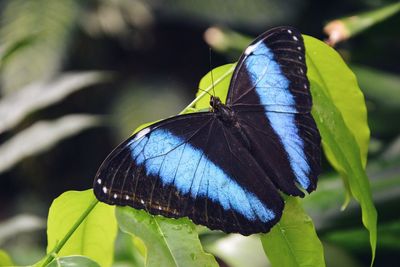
[271, 74]
[270, 94]
[191, 165]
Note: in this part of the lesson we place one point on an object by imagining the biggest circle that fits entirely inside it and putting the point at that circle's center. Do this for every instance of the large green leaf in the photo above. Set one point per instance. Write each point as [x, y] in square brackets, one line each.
[338, 82]
[344, 130]
[93, 238]
[169, 242]
[293, 240]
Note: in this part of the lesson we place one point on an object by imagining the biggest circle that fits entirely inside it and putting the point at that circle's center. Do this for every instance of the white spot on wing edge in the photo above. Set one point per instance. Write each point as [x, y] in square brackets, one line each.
[289, 31]
[127, 197]
[99, 181]
[115, 195]
[142, 133]
[104, 190]
[251, 48]
[141, 201]
[295, 38]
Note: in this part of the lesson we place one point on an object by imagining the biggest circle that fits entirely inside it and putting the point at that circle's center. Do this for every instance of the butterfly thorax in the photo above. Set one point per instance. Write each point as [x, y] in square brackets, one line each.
[223, 112]
[229, 118]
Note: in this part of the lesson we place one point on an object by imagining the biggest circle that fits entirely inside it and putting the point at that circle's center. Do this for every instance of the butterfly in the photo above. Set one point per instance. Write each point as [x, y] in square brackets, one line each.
[227, 168]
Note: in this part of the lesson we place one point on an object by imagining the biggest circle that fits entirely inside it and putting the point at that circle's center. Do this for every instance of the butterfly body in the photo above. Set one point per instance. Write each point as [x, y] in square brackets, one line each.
[227, 168]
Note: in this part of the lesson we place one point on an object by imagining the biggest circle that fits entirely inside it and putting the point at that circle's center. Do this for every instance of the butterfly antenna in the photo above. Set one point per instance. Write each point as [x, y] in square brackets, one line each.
[211, 72]
[205, 91]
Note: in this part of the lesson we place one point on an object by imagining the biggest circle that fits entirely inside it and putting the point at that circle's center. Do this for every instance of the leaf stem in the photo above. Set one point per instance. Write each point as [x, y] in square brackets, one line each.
[51, 255]
[341, 29]
[206, 91]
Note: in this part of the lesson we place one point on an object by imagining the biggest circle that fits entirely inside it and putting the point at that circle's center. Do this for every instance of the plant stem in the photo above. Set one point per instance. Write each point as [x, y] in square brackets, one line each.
[344, 28]
[59, 246]
[206, 91]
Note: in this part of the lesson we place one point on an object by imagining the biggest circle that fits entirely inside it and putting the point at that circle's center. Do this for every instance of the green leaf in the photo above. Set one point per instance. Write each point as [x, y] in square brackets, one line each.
[95, 235]
[5, 259]
[339, 111]
[169, 242]
[338, 82]
[73, 261]
[293, 240]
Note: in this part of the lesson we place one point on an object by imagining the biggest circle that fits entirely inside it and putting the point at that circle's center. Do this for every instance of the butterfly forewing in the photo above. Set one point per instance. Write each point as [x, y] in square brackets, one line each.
[175, 168]
[272, 73]
[270, 94]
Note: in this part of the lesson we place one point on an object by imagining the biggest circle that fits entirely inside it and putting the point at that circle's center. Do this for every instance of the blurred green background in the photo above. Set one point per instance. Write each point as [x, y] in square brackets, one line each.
[77, 77]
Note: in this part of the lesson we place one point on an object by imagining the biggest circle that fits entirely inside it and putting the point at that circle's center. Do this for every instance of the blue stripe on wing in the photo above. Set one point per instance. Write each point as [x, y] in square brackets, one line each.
[265, 74]
[272, 87]
[178, 163]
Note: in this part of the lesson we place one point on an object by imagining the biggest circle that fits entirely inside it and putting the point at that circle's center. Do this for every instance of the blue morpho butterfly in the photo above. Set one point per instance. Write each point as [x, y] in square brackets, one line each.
[226, 168]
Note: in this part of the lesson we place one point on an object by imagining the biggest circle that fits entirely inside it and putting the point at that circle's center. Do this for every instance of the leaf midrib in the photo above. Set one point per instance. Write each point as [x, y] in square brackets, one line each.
[165, 240]
[282, 231]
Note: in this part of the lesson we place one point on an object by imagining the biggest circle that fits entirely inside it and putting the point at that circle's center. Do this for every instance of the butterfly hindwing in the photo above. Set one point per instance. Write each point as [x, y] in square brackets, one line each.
[291, 155]
[177, 168]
